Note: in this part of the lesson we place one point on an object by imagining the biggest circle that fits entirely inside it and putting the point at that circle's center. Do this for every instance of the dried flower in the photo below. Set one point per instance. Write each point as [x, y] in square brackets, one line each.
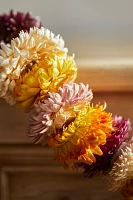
[57, 109]
[24, 51]
[122, 170]
[12, 23]
[48, 75]
[81, 136]
[103, 163]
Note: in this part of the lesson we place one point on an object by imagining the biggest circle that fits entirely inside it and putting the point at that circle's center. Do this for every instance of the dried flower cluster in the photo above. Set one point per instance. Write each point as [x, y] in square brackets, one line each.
[37, 74]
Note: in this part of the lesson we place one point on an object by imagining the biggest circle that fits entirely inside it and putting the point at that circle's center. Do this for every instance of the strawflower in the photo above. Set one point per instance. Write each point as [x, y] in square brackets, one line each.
[56, 110]
[66, 122]
[25, 51]
[13, 22]
[103, 163]
[80, 138]
[46, 76]
[122, 169]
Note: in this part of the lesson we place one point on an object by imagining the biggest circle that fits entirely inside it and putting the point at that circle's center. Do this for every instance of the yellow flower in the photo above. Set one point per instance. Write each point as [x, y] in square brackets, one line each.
[48, 75]
[24, 51]
[80, 138]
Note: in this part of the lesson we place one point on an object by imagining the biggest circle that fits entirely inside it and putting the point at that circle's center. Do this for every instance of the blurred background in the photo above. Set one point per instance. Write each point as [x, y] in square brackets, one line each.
[90, 28]
[100, 33]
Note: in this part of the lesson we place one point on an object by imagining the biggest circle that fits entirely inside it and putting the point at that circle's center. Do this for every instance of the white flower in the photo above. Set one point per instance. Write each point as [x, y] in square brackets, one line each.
[24, 50]
[122, 169]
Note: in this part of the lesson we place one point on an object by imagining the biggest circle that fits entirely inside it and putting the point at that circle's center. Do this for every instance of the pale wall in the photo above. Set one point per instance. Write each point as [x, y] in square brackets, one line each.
[89, 27]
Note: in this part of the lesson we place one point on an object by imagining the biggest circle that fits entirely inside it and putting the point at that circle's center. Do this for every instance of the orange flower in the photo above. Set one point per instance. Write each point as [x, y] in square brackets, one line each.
[80, 138]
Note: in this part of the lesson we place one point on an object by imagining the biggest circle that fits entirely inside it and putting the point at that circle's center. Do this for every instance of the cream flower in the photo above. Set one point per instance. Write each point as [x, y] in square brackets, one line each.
[25, 50]
[122, 169]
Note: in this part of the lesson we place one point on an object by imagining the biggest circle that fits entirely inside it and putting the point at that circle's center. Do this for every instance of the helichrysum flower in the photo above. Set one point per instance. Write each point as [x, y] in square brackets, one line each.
[12, 23]
[66, 122]
[48, 75]
[122, 169]
[19, 58]
[80, 138]
[103, 163]
[57, 109]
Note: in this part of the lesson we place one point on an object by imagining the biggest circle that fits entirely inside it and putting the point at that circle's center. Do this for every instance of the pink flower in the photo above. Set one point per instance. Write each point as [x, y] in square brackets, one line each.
[56, 109]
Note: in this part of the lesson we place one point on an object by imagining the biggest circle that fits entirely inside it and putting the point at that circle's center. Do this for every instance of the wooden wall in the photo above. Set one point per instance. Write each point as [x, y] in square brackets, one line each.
[28, 172]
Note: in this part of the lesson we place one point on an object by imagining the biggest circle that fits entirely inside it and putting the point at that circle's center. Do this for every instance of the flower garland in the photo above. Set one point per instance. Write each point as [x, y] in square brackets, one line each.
[37, 74]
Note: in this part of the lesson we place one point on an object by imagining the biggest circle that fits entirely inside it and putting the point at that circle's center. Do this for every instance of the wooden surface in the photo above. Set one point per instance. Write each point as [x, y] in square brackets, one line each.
[51, 183]
[105, 75]
[28, 172]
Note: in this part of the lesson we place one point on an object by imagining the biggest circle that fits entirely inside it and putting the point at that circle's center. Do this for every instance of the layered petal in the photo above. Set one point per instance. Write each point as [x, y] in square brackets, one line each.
[122, 169]
[23, 53]
[79, 139]
[57, 109]
[103, 163]
[46, 76]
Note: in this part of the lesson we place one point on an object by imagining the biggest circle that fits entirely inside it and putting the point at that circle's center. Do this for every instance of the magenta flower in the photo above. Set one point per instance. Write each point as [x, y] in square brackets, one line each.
[120, 134]
[11, 24]
[57, 109]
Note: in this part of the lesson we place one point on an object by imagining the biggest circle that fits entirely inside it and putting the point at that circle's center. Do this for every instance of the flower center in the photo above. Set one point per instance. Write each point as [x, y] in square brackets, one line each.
[28, 68]
[64, 118]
